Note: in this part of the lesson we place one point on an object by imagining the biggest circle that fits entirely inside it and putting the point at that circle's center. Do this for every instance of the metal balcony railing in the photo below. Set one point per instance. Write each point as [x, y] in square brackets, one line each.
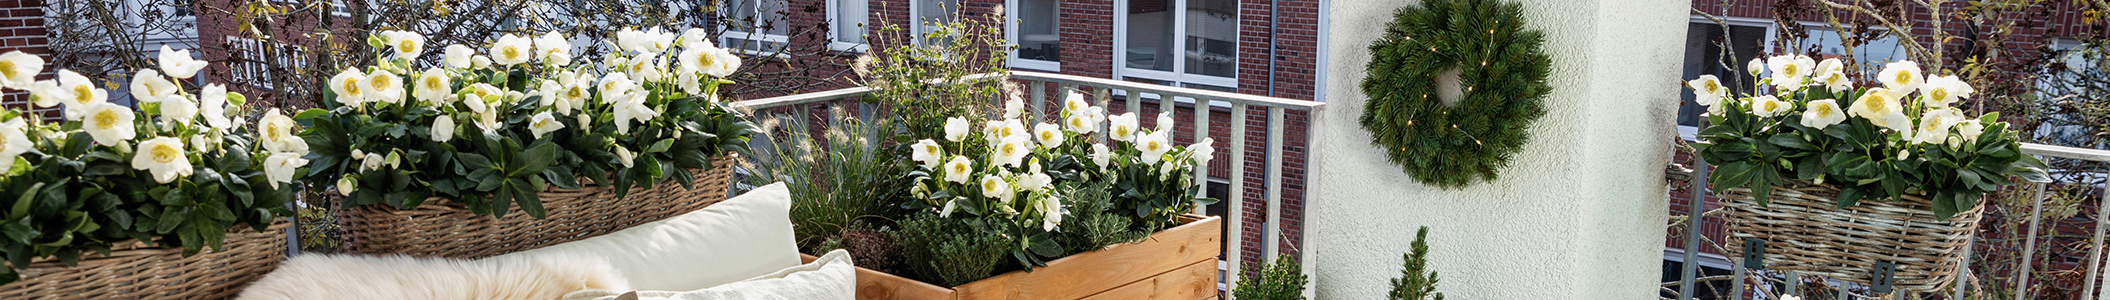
[2006, 274]
[1284, 119]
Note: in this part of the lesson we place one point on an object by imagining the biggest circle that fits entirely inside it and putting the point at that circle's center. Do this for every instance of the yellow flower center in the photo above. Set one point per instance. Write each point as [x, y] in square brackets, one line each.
[106, 119]
[1904, 77]
[703, 59]
[1939, 93]
[407, 46]
[1010, 149]
[83, 93]
[510, 51]
[1712, 86]
[1823, 110]
[1047, 135]
[432, 83]
[575, 92]
[351, 86]
[7, 68]
[959, 168]
[1152, 145]
[1790, 70]
[163, 153]
[1876, 104]
[1770, 105]
[381, 82]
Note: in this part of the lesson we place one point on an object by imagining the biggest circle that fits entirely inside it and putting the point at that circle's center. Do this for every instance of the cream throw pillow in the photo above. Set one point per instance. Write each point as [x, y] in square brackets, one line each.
[742, 237]
[331, 277]
[832, 277]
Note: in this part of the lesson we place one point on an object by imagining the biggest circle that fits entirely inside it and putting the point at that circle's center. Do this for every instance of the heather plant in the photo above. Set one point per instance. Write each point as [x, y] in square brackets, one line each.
[949, 251]
[1283, 280]
[1093, 226]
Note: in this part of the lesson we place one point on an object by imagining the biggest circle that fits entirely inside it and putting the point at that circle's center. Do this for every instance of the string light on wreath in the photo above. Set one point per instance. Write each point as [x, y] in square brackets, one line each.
[1494, 120]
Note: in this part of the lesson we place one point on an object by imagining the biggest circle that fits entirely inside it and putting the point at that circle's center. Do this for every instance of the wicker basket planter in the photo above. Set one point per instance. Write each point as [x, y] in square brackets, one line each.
[445, 228]
[135, 271]
[1177, 263]
[1804, 231]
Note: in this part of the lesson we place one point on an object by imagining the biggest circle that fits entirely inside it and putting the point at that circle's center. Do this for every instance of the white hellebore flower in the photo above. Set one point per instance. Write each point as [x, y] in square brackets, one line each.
[995, 187]
[1970, 129]
[1101, 156]
[148, 86]
[1829, 65]
[1836, 81]
[544, 123]
[1015, 106]
[1897, 121]
[1756, 66]
[1901, 77]
[949, 204]
[709, 60]
[212, 104]
[1934, 126]
[280, 167]
[13, 142]
[614, 85]
[1123, 127]
[1074, 103]
[1050, 213]
[110, 124]
[553, 48]
[385, 87]
[46, 93]
[1165, 121]
[955, 129]
[178, 63]
[1010, 152]
[19, 70]
[347, 185]
[83, 92]
[1944, 90]
[434, 87]
[624, 156]
[458, 56]
[350, 86]
[1080, 123]
[1707, 90]
[1875, 104]
[407, 45]
[548, 92]
[1049, 135]
[178, 110]
[1823, 113]
[957, 169]
[372, 161]
[276, 132]
[1768, 106]
[162, 157]
[1154, 146]
[928, 153]
[512, 50]
[442, 129]
[1203, 151]
[723, 64]
[632, 109]
[479, 62]
[1789, 72]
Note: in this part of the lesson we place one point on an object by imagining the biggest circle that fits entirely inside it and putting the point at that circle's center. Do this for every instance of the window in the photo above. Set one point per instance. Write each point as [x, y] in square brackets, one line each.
[754, 26]
[848, 18]
[930, 15]
[1188, 43]
[249, 65]
[1032, 26]
[1871, 55]
[1703, 56]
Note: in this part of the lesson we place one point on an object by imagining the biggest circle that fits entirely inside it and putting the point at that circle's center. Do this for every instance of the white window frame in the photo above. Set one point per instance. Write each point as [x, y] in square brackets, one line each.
[915, 19]
[1178, 76]
[1011, 33]
[729, 35]
[837, 25]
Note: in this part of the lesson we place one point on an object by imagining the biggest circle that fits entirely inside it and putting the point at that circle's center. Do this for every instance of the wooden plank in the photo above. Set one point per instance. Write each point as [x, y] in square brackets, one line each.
[1093, 272]
[1194, 281]
[874, 285]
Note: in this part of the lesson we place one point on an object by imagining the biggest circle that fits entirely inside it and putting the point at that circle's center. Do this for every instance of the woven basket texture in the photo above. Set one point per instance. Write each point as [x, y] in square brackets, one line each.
[1804, 231]
[445, 228]
[134, 270]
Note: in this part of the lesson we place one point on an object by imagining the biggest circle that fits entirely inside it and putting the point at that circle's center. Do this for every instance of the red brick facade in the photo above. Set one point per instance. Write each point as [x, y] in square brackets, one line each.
[22, 29]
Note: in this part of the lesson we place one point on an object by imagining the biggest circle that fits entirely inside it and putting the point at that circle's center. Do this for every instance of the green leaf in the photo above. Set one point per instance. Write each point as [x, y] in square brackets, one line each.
[660, 146]
[473, 161]
[1791, 141]
[530, 202]
[21, 207]
[1849, 196]
[534, 160]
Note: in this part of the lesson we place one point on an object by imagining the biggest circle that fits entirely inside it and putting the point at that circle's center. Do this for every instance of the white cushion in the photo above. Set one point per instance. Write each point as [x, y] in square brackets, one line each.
[832, 277]
[361, 277]
[742, 237]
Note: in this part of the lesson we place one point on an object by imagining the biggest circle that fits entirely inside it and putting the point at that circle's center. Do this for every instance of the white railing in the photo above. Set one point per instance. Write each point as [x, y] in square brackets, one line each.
[1186, 104]
[1969, 284]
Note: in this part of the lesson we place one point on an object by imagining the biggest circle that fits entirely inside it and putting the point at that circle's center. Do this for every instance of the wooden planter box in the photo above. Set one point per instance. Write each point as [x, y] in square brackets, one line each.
[1177, 263]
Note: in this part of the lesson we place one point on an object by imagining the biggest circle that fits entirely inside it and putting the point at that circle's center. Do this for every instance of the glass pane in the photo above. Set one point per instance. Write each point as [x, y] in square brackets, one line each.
[850, 19]
[772, 15]
[740, 16]
[1703, 56]
[1037, 39]
[1212, 37]
[1870, 54]
[1150, 34]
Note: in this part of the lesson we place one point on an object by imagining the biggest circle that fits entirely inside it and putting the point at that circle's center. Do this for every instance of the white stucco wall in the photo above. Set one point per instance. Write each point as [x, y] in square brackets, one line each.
[1578, 215]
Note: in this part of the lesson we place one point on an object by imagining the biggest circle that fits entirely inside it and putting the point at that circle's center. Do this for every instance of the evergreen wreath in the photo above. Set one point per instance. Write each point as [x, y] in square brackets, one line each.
[1503, 78]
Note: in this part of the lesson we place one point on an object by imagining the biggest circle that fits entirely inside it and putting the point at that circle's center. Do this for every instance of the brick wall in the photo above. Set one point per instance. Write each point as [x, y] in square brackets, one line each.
[287, 31]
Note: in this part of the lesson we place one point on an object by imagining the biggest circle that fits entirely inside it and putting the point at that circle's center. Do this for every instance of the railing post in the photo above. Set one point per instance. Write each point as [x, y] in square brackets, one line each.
[2029, 245]
[1039, 90]
[1273, 233]
[1693, 217]
[1201, 172]
[1235, 248]
[2095, 252]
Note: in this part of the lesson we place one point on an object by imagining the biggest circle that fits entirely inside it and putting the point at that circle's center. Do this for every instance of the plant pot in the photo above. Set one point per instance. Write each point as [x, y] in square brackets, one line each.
[445, 228]
[1177, 263]
[134, 270]
[1804, 231]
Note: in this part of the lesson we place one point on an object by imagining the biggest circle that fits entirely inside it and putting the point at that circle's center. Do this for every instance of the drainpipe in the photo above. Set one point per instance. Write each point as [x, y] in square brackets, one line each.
[1274, 23]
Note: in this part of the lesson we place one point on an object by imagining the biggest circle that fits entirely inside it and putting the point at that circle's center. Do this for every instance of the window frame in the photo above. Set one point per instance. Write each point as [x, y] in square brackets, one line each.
[837, 25]
[915, 19]
[728, 35]
[1691, 133]
[1179, 75]
[1013, 28]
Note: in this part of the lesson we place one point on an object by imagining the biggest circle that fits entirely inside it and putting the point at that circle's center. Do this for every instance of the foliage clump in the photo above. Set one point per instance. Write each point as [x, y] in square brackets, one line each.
[850, 174]
[948, 251]
[1094, 227]
[875, 249]
[1416, 281]
[1283, 280]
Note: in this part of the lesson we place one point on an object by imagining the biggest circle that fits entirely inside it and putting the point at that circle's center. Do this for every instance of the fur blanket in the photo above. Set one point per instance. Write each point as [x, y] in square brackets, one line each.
[327, 277]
